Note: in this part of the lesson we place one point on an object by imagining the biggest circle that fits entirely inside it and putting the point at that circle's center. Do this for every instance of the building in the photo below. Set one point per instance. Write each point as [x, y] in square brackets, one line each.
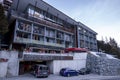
[7, 4]
[42, 32]
[39, 25]
[86, 37]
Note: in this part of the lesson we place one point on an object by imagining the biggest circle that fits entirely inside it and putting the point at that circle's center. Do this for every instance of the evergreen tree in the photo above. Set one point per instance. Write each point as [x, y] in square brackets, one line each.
[110, 47]
[3, 21]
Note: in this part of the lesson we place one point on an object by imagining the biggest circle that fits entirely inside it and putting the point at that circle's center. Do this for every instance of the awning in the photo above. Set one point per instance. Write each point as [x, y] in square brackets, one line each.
[76, 49]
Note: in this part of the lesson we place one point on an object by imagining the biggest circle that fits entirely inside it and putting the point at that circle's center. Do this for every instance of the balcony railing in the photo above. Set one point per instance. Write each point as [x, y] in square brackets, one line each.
[42, 21]
[26, 41]
[46, 56]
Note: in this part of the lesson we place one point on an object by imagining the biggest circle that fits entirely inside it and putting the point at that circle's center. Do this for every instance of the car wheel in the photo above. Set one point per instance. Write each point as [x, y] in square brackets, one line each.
[77, 74]
[36, 76]
[46, 76]
[68, 75]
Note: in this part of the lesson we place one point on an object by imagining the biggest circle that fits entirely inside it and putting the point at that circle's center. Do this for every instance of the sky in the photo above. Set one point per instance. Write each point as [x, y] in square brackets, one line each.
[102, 16]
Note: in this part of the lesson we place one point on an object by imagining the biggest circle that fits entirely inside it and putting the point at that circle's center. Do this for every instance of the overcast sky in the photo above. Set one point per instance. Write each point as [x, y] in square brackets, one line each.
[103, 16]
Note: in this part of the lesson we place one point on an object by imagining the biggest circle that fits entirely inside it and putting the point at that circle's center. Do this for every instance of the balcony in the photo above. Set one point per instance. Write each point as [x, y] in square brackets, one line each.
[25, 41]
[22, 40]
[55, 44]
[32, 56]
[41, 21]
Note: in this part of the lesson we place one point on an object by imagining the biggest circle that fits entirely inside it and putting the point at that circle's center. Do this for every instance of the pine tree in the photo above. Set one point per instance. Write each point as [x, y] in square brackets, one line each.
[3, 21]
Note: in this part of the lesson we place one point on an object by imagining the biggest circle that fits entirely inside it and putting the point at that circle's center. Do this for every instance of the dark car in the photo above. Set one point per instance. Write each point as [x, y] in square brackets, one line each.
[68, 72]
[84, 71]
[40, 70]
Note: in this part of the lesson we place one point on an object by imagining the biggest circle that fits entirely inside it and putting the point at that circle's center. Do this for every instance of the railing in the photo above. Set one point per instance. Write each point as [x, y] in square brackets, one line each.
[42, 21]
[31, 56]
[25, 40]
[22, 40]
[48, 54]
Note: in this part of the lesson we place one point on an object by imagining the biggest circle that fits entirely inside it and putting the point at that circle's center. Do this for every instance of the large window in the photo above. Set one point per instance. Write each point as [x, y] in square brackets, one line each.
[60, 35]
[38, 30]
[67, 37]
[24, 26]
[23, 35]
[37, 37]
[50, 40]
[35, 14]
[50, 33]
[60, 41]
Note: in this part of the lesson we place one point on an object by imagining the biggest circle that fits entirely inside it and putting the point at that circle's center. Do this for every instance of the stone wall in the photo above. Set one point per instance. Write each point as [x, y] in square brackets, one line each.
[103, 65]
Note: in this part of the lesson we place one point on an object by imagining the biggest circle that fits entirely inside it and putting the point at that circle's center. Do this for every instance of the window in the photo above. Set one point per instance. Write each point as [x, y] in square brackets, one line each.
[60, 42]
[24, 26]
[30, 12]
[67, 37]
[23, 35]
[50, 33]
[38, 30]
[50, 40]
[35, 14]
[60, 35]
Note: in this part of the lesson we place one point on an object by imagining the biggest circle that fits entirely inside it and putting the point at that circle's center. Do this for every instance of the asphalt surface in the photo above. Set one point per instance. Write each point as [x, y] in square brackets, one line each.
[58, 77]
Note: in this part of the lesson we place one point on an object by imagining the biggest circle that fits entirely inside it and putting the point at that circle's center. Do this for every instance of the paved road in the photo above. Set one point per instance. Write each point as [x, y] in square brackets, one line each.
[57, 77]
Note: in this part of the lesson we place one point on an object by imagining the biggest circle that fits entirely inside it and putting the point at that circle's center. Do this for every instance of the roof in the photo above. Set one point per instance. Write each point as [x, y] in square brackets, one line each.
[44, 6]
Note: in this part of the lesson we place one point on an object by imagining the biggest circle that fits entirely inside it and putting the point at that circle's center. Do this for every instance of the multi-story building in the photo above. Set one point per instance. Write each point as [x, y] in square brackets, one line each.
[40, 26]
[7, 4]
[86, 37]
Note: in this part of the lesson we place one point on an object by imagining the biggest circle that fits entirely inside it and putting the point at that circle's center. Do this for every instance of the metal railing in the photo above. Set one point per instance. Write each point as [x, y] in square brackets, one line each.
[42, 21]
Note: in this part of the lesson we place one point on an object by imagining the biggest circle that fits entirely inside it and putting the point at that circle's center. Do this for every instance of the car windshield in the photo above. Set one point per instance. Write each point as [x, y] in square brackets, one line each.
[43, 68]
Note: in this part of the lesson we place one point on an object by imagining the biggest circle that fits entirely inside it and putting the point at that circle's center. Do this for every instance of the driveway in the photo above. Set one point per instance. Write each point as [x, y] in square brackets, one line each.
[58, 77]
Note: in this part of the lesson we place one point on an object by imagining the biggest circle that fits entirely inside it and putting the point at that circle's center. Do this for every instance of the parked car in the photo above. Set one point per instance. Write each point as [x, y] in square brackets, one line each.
[84, 71]
[40, 70]
[68, 72]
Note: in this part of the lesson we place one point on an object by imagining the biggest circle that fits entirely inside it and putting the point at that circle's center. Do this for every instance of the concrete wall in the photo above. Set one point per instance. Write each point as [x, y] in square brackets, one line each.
[4, 65]
[3, 69]
[11, 67]
[50, 65]
[13, 62]
[78, 62]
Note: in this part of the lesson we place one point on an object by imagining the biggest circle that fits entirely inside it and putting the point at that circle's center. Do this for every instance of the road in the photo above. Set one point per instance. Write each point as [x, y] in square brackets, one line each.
[58, 77]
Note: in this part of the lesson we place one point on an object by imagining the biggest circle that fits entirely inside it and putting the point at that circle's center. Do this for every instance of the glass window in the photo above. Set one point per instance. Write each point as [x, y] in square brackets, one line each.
[23, 35]
[50, 33]
[60, 35]
[50, 40]
[38, 30]
[30, 12]
[24, 26]
[67, 37]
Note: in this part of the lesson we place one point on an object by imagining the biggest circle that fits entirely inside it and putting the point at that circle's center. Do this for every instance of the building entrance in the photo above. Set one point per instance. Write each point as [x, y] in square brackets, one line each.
[27, 66]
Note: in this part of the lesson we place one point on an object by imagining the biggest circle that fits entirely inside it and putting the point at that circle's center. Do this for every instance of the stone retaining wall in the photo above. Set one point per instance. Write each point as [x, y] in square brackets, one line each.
[102, 65]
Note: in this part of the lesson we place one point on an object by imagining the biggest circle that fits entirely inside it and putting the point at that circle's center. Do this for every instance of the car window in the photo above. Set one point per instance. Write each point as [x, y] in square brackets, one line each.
[40, 68]
[43, 68]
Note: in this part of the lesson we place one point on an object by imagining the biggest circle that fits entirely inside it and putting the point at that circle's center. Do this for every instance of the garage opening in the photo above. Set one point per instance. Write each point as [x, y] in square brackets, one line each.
[26, 66]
